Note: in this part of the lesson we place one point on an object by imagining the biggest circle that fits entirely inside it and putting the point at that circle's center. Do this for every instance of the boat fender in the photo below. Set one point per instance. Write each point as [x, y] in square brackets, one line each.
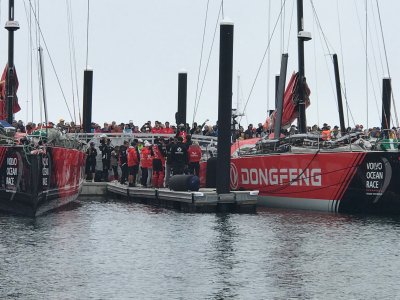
[184, 183]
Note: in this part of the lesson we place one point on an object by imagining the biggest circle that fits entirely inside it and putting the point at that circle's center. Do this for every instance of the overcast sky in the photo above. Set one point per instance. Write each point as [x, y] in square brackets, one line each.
[137, 48]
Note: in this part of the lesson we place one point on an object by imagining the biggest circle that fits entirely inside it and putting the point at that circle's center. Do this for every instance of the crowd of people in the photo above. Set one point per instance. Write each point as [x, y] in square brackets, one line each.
[238, 133]
[144, 163]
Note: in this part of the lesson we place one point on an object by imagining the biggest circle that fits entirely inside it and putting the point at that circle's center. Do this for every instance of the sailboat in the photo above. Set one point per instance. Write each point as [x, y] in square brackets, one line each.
[37, 174]
[303, 171]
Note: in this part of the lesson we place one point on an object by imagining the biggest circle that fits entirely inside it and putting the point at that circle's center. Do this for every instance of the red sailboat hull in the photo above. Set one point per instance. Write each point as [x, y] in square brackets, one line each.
[339, 182]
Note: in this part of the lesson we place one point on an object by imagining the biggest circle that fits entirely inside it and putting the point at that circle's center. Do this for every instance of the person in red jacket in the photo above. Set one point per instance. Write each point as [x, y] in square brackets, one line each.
[194, 156]
[182, 132]
[133, 163]
[157, 128]
[146, 164]
[167, 129]
[158, 152]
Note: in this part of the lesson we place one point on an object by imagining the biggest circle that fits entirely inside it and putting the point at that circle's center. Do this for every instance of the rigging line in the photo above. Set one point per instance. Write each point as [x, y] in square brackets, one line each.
[315, 71]
[69, 21]
[323, 38]
[369, 80]
[75, 70]
[328, 45]
[387, 61]
[269, 56]
[201, 59]
[290, 27]
[208, 60]
[31, 59]
[375, 63]
[27, 65]
[37, 44]
[87, 33]
[374, 18]
[281, 30]
[52, 63]
[262, 60]
[344, 87]
[365, 51]
[366, 57]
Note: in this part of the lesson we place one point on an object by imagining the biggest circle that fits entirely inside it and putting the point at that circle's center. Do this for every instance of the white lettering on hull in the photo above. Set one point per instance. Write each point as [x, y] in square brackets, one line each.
[295, 177]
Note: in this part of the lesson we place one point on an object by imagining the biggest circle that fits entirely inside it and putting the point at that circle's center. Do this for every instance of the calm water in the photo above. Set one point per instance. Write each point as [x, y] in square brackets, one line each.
[117, 250]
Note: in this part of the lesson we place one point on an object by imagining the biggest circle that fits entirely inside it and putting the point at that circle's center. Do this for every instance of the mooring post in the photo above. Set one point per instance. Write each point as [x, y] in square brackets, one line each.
[386, 98]
[182, 98]
[225, 107]
[11, 26]
[279, 97]
[339, 94]
[87, 100]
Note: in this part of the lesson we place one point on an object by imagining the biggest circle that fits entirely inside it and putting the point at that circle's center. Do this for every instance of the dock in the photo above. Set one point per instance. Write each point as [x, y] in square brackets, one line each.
[203, 201]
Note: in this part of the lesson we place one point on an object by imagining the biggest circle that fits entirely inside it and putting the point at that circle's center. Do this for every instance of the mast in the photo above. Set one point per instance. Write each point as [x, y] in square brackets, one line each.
[43, 85]
[11, 26]
[339, 94]
[301, 38]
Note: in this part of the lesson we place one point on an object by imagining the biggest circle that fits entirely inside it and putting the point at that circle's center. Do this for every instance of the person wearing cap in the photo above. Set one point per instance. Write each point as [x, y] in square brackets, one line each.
[90, 168]
[61, 125]
[133, 163]
[178, 157]
[194, 156]
[146, 164]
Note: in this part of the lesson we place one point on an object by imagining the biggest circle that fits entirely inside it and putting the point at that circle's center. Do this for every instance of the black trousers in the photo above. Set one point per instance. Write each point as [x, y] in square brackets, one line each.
[194, 168]
[124, 173]
[143, 179]
[178, 169]
[106, 167]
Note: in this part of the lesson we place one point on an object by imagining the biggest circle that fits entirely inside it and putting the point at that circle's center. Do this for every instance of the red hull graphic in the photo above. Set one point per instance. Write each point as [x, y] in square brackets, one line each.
[355, 182]
[311, 176]
[31, 184]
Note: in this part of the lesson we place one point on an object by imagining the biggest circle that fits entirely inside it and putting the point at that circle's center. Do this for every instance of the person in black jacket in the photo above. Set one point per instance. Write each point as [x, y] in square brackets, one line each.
[91, 153]
[168, 148]
[123, 161]
[106, 150]
[178, 157]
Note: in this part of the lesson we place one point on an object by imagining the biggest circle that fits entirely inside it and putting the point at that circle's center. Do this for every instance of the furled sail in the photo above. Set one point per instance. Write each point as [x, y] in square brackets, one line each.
[290, 100]
[3, 94]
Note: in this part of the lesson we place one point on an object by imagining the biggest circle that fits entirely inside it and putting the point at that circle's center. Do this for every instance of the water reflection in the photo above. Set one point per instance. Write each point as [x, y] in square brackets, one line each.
[122, 250]
[224, 257]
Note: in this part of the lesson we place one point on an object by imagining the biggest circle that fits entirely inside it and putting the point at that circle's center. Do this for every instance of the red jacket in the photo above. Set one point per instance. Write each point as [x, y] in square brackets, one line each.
[168, 130]
[133, 157]
[194, 153]
[156, 130]
[146, 160]
[183, 134]
[157, 153]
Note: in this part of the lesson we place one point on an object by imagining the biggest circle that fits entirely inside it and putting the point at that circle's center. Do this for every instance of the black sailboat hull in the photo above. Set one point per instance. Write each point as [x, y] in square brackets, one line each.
[34, 183]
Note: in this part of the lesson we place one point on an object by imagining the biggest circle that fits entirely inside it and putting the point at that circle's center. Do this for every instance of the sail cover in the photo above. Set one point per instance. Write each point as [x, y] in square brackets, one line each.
[290, 100]
[3, 94]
